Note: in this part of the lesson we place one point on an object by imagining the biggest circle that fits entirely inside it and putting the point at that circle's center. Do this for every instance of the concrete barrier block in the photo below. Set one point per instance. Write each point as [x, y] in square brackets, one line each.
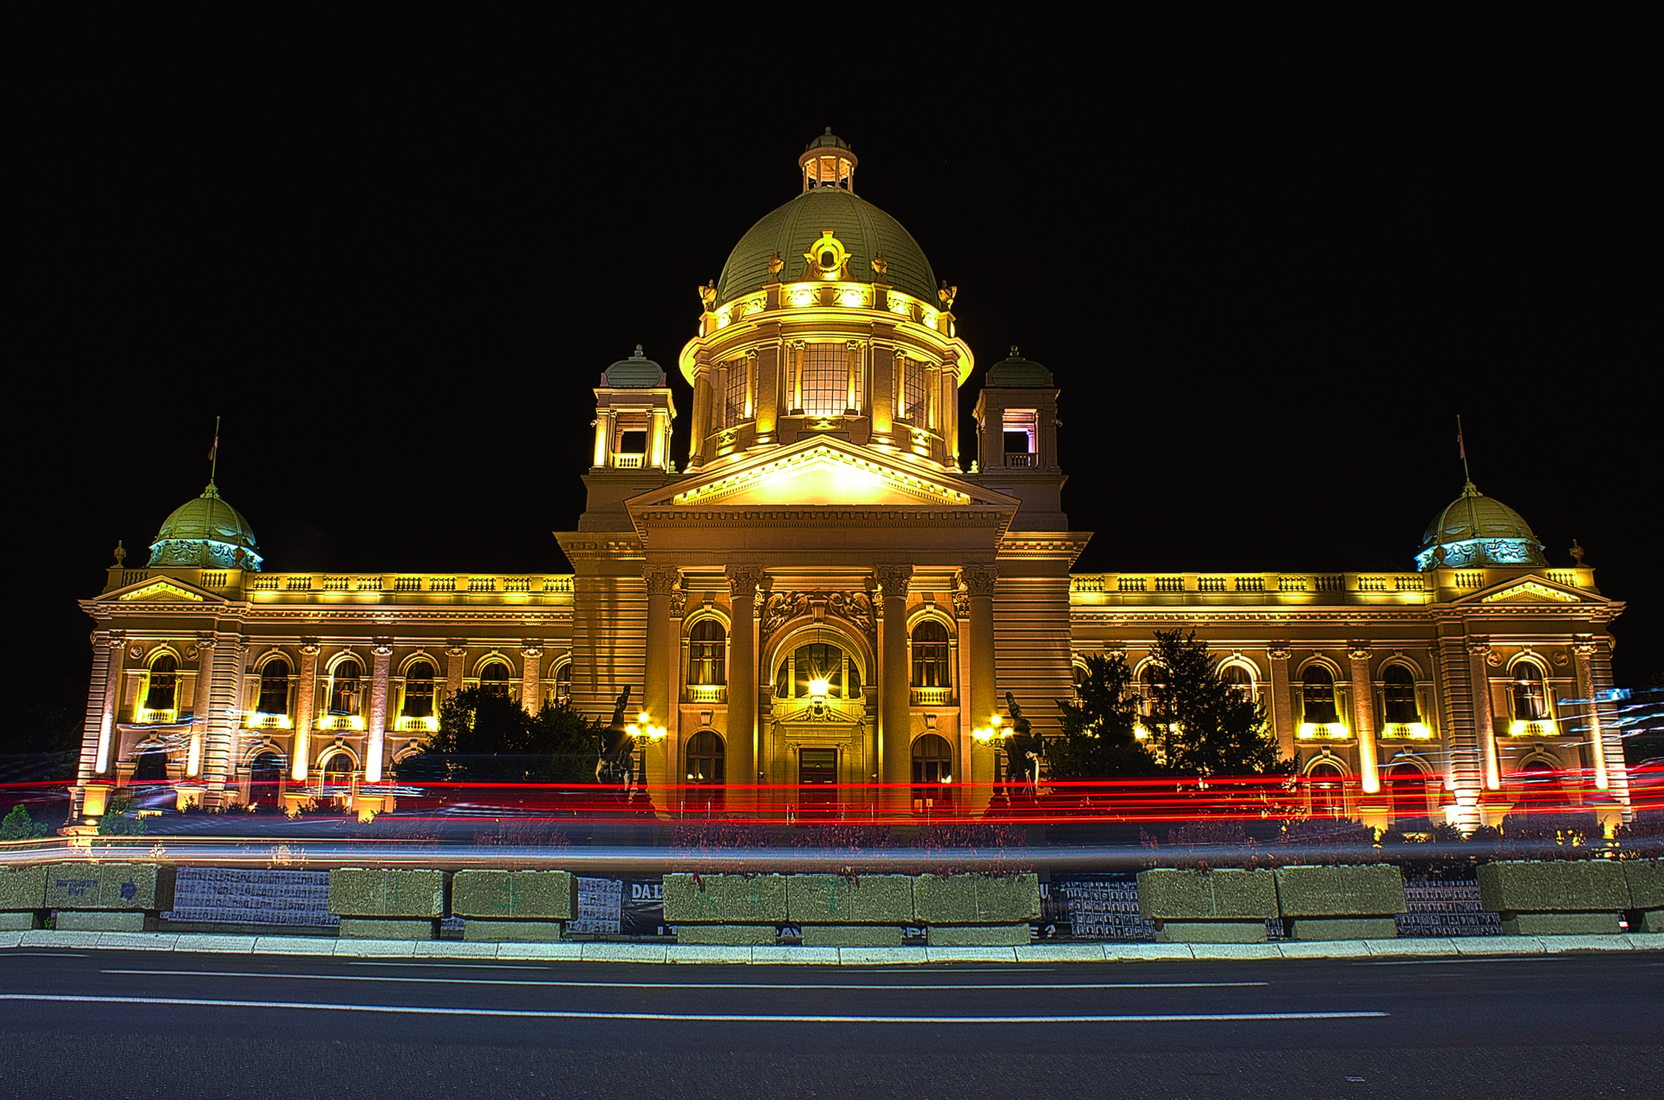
[727, 935]
[22, 888]
[1560, 924]
[977, 935]
[1211, 931]
[377, 892]
[371, 928]
[1368, 891]
[119, 886]
[1229, 895]
[98, 920]
[1343, 928]
[976, 899]
[851, 935]
[1553, 886]
[509, 895]
[1643, 877]
[840, 899]
[475, 930]
[752, 899]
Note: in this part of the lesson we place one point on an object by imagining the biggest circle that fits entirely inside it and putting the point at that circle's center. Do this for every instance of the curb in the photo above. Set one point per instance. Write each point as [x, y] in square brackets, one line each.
[1486, 946]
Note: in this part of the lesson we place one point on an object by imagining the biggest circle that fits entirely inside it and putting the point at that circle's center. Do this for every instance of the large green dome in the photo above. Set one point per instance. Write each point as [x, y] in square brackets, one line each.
[1475, 529]
[206, 533]
[862, 228]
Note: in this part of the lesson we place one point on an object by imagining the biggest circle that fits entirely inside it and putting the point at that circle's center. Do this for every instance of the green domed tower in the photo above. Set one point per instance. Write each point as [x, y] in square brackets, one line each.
[1476, 530]
[206, 533]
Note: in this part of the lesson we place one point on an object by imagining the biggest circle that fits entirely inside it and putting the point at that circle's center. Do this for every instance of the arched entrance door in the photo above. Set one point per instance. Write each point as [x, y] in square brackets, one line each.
[265, 779]
[1405, 786]
[1325, 785]
[819, 737]
[932, 771]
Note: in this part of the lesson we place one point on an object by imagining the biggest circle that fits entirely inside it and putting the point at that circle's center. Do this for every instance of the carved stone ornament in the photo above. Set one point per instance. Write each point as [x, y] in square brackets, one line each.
[961, 604]
[1479, 647]
[310, 647]
[893, 578]
[382, 647]
[531, 650]
[1358, 649]
[661, 580]
[135, 652]
[743, 580]
[979, 579]
[454, 648]
[678, 604]
[779, 608]
[1279, 651]
[192, 652]
[1115, 651]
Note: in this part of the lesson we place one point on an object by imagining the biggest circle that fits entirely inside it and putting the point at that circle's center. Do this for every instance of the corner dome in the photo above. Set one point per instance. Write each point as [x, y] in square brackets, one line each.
[1016, 373]
[1475, 529]
[635, 373]
[828, 204]
[206, 533]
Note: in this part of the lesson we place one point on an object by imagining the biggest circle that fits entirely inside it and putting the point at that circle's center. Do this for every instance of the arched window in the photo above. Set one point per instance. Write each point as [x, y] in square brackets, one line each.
[274, 687]
[931, 668]
[705, 758]
[164, 683]
[1398, 691]
[346, 681]
[338, 770]
[708, 653]
[1406, 790]
[1151, 679]
[1317, 693]
[932, 770]
[1239, 679]
[818, 667]
[563, 684]
[265, 779]
[1529, 692]
[418, 690]
[494, 677]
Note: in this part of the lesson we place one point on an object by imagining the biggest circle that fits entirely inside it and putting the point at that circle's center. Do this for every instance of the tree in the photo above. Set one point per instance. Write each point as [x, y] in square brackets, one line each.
[1099, 738]
[485, 735]
[1200, 724]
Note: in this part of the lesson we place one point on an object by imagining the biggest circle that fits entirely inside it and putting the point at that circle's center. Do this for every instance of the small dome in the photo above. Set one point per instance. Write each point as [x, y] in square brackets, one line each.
[206, 533]
[635, 373]
[1475, 529]
[1016, 373]
[828, 139]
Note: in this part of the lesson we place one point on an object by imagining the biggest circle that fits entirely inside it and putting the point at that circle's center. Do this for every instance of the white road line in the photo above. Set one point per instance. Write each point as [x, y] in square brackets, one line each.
[46, 954]
[443, 965]
[698, 1017]
[1448, 961]
[669, 985]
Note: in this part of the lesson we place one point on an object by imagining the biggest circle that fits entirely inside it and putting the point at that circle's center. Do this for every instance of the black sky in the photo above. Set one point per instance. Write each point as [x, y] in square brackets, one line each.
[1270, 253]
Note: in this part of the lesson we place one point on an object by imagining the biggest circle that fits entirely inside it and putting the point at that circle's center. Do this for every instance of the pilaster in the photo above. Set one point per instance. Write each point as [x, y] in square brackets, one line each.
[742, 674]
[895, 742]
[300, 755]
[1363, 715]
[375, 742]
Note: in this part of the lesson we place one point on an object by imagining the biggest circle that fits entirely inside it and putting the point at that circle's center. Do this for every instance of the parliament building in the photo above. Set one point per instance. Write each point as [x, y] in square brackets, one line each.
[825, 591]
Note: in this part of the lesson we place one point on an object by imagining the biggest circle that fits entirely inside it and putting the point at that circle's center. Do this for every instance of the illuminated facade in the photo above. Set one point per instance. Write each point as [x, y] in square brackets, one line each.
[827, 592]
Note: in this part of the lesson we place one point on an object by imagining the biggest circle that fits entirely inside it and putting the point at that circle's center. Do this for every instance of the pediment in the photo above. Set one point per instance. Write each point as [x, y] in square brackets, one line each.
[823, 473]
[161, 590]
[1532, 589]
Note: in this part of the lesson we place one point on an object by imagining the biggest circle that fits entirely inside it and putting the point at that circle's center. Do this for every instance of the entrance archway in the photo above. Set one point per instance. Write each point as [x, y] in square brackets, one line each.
[265, 779]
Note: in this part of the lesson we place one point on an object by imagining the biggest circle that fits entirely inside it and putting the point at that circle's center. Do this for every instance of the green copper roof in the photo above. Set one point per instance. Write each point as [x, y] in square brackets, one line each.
[206, 532]
[1016, 373]
[1475, 529]
[863, 229]
[635, 373]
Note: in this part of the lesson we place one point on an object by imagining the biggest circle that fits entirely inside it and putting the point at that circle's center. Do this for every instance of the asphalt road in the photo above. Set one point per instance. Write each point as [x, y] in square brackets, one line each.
[117, 1024]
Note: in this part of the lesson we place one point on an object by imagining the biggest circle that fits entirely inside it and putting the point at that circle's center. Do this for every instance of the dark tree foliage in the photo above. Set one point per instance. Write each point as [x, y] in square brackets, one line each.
[1201, 725]
[1098, 739]
[487, 736]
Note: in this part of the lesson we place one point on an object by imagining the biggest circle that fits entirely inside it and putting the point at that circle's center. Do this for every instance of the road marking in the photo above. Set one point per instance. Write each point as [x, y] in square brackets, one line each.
[1467, 961]
[697, 1017]
[47, 954]
[670, 985]
[445, 965]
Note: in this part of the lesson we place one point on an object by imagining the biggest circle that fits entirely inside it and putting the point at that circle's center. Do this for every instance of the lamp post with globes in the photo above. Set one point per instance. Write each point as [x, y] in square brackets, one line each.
[642, 731]
[994, 735]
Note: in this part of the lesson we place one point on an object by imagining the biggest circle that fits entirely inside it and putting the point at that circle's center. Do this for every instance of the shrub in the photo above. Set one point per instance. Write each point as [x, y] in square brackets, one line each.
[18, 825]
[1327, 840]
[119, 817]
[1204, 845]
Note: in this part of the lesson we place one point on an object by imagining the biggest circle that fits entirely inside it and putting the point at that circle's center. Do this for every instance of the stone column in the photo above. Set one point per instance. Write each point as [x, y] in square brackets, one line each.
[1598, 658]
[656, 688]
[383, 650]
[301, 753]
[1363, 715]
[531, 654]
[106, 671]
[1282, 701]
[1584, 648]
[1479, 652]
[220, 683]
[894, 738]
[742, 674]
[981, 693]
[455, 654]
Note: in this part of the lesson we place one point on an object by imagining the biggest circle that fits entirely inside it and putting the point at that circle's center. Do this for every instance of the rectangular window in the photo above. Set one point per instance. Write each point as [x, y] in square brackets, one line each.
[825, 379]
[1021, 430]
[733, 394]
[914, 391]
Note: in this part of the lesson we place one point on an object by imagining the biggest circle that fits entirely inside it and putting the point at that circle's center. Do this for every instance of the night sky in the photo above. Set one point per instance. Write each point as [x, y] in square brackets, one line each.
[1269, 257]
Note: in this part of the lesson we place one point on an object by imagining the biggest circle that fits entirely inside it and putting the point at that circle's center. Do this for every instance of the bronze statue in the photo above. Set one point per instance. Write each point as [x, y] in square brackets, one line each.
[1022, 748]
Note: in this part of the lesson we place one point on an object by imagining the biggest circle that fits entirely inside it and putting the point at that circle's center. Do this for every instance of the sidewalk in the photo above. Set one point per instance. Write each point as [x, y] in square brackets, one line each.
[827, 956]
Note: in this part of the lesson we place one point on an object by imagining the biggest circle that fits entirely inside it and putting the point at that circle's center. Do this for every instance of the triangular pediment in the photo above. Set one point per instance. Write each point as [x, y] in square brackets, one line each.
[163, 590]
[1532, 589]
[822, 473]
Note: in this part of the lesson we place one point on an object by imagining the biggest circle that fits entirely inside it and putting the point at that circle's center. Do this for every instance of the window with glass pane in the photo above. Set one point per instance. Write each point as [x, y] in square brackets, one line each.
[1240, 680]
[1318, 692]
[914, 391]
[705, 758]
[733, 394]
[164, 683]
[418, 690]
[1530, 693]
[563, 684]
[825, 379]
[819, 661]
[1398, 687]
[344, 687]
[707, 653]
[930, 655]
[494, 677]
[274, 688]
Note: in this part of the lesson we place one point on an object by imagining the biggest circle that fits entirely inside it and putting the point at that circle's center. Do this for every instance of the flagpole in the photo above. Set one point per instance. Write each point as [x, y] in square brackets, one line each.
[214, 454]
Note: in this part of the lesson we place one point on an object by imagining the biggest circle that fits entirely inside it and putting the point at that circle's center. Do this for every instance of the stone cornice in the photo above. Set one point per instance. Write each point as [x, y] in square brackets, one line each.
[970, 516]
